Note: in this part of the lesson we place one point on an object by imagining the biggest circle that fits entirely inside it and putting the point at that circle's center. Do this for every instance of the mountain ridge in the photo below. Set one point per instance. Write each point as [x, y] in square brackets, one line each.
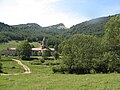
[35, 32]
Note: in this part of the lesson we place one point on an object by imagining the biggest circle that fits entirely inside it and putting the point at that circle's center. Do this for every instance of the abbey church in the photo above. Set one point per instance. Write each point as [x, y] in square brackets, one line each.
[35, 51]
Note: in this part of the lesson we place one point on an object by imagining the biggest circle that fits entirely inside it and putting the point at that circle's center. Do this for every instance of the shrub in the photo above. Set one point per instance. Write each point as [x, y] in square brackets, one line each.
[0, 67]
[41, 60]
[60, 69]
[56, 55]
[13, 67]
[36, 62]
[49, 62]
[56, 69]
[46, 53]
[117, 69]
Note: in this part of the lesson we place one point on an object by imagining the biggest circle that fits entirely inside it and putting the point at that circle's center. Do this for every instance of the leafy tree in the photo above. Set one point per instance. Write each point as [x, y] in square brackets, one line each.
[112, 35]
[46, 53]
[80, 53]
[0, 66]
[24, 50]
[56, 55]
[52, 41]
[111, 42]
[56, 47]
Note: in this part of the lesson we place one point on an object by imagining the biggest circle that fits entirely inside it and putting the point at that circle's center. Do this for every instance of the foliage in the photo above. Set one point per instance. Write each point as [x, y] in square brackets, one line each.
[0, 67]
[46, 53]
[80, 56]
[51, 62]
[56, 55]
[62, 68]
[111, 42]
[108, 63]
[112, 35]
[52, 41]
[24, 50]
[37, 62]
[56, 47]
[88, 55]
[31, 31]
[92, 27]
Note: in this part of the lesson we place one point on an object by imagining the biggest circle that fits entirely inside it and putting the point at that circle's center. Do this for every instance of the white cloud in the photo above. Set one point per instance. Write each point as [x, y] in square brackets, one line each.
[43, 12]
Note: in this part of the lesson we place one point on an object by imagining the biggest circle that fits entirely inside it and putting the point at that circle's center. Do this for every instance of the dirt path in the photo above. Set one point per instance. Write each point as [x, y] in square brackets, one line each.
[26, 68]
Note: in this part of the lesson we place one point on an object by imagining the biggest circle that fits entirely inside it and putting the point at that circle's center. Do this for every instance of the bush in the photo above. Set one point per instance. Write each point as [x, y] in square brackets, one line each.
[48, 62]
[36, 62]
[46, 53]
[117, 69]
[1, 68]
[60, 69]
[56, 55]
[13, 67]
[56, 69]
[41, 60]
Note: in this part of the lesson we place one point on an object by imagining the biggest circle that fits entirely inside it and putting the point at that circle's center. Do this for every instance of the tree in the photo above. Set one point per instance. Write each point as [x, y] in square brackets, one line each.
[112, 34]
[24, 50]
[111, 42]
[0, 66]
[56, 47]
[46, 53]
[56, 55]
[80, 53]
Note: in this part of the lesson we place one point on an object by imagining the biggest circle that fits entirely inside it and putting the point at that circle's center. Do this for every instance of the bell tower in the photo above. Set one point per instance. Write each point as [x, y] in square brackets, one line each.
[43, 43]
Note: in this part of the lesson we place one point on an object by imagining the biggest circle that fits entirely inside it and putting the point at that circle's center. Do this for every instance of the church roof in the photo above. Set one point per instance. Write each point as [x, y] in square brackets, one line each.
[35, 49]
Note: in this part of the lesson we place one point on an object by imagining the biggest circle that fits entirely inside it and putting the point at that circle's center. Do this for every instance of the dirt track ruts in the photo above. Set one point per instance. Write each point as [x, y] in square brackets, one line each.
[26, 68]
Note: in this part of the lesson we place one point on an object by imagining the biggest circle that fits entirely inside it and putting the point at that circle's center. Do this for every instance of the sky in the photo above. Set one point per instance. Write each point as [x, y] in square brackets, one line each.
[51, 12]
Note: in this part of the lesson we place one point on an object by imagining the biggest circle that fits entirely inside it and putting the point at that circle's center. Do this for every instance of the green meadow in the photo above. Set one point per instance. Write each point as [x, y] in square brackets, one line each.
[43, 78]
[13, 44]
[9, 66]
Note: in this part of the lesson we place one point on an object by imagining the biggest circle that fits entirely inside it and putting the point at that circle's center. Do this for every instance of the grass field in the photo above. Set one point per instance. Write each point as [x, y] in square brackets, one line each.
[13, 44]
[42, 78]
[9, 66]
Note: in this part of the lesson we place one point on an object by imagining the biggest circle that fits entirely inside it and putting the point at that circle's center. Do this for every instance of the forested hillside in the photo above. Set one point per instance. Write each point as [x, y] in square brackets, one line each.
[30, 31]
[91, 27]
[55, 33]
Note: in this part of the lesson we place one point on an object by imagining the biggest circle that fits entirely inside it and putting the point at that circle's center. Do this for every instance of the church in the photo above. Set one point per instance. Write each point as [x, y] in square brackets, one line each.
[35, 51]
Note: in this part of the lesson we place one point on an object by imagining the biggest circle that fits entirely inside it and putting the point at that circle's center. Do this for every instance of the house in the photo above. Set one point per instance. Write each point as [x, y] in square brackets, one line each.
[35, 51]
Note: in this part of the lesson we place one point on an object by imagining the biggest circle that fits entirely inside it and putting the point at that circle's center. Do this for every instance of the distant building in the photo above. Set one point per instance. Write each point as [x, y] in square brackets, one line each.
[35, 51]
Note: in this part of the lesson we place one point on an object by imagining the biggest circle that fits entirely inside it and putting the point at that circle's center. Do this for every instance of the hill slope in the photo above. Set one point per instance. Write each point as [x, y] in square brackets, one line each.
[91, 27]
[30, 31]
[35, 32]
